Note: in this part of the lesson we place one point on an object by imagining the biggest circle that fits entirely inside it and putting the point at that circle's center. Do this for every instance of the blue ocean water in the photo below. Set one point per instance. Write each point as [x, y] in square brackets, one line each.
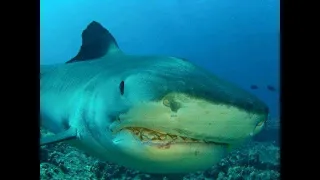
[237, 40]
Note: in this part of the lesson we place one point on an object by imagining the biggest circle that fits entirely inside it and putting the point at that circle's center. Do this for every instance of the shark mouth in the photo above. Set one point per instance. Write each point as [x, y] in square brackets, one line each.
[145, 135]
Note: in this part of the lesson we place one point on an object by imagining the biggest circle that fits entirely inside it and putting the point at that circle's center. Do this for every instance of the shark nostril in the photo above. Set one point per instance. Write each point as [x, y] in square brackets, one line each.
[166, 102]
[174, 106]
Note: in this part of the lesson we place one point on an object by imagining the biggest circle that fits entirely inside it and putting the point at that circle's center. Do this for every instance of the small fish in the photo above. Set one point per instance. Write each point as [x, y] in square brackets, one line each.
[253, 87]
[271, 88]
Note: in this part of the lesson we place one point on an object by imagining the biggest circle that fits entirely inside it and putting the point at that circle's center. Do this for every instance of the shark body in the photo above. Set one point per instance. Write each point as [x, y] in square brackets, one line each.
[155, 114]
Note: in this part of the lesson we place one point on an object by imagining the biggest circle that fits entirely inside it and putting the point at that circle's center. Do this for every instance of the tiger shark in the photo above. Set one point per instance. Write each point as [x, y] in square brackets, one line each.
[156, 114]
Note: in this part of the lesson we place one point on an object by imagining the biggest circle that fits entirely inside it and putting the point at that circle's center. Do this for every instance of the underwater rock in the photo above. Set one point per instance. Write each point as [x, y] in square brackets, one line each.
[254, 161]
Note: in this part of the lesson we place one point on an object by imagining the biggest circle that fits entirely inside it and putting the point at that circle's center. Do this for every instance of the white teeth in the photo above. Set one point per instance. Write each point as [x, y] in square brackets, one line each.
[174, 137]
[162, 137]
[180, 139]
[148, 135]
[144, 137]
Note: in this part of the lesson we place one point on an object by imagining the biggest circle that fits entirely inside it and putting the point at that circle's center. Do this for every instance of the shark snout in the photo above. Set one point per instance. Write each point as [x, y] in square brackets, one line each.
[206, 120]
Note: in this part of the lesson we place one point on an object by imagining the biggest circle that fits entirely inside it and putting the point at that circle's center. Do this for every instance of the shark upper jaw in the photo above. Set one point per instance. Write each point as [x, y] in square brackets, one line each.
[187, 121]
[150, 135]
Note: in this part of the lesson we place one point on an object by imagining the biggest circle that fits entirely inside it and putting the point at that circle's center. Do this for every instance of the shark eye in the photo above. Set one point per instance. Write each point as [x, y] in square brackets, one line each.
[121, 87]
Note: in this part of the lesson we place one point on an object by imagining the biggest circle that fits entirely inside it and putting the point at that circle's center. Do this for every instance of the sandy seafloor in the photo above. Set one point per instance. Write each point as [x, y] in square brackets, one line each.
[253, 161]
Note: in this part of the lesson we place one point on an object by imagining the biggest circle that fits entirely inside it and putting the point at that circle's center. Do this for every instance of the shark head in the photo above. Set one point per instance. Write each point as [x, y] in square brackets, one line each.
[178, 117]
[160, 114]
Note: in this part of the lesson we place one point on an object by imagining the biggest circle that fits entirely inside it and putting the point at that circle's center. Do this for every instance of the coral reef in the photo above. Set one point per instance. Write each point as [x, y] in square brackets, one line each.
[253, 161]
[271, 132]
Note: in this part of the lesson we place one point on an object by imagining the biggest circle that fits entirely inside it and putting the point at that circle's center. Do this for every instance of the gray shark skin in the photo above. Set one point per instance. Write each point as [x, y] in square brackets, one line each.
[155, 114]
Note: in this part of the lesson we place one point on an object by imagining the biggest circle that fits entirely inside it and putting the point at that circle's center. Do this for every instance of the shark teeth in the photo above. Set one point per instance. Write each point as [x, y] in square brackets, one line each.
[147, 135]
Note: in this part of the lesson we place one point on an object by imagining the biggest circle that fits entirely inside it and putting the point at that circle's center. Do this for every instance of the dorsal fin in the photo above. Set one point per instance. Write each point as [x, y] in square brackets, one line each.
[97, 42]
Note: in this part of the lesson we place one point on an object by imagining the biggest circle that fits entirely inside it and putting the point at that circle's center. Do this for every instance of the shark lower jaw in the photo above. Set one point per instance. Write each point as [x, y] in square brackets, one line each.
[151, 151]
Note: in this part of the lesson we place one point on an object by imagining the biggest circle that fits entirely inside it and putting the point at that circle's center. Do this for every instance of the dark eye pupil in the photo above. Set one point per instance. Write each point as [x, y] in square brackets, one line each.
[121, 87]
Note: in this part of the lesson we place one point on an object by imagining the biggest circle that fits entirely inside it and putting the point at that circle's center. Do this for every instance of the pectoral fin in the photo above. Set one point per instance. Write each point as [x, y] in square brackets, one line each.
[63, 136]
